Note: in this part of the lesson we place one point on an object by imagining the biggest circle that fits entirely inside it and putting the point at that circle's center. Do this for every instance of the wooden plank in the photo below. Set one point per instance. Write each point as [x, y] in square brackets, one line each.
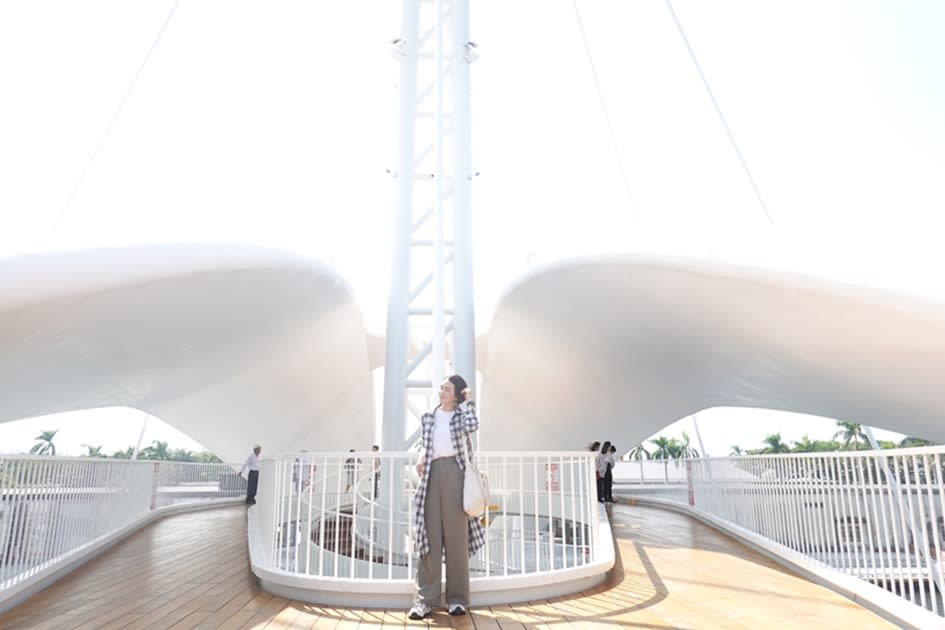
[372, 619]
[483, 618]
[230, 608]
[671, 572]
[284, 618]
[506, 617]
[192, 620]
[394, 619]
[125, 621]
[306, 618]
[267, 613]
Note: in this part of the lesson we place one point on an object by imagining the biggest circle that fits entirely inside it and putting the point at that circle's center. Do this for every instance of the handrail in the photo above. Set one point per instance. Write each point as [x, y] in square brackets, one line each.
[544, 505]
[55, 510]
[878, 515]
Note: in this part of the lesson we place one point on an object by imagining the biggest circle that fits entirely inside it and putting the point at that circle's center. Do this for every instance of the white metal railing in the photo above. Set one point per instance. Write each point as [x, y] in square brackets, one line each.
[876, 515]
[321, 515]
[53, 508]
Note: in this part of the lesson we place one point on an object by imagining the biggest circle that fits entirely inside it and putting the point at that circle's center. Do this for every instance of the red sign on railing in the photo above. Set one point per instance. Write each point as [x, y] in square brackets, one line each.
[551, 477]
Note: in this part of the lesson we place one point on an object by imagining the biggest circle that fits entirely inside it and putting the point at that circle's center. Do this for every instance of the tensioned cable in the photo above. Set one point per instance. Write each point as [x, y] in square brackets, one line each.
[111, 123]
[603, 104]
[718, 110]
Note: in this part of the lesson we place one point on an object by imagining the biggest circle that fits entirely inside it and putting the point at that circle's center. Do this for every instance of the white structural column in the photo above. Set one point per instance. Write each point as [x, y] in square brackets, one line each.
[463, 53]
[430, 325]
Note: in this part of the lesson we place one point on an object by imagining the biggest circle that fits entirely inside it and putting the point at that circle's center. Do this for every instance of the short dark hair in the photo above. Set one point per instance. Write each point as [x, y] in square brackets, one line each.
[459, 384]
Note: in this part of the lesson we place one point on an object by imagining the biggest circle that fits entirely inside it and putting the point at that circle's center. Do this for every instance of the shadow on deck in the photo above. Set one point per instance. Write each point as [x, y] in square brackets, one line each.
[192, 571]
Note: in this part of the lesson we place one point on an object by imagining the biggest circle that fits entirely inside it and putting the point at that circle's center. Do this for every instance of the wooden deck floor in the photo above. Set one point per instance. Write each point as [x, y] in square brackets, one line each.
[191, 571]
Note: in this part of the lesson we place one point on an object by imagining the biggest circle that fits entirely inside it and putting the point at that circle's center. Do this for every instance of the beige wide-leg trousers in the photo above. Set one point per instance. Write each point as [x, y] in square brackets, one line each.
[447, 529]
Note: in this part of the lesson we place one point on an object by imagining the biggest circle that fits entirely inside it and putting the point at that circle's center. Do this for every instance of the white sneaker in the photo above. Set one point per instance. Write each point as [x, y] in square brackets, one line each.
[457, 609]
[419, 611]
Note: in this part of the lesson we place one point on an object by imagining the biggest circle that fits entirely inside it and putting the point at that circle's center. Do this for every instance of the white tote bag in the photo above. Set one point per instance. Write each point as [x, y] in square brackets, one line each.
[475, 486]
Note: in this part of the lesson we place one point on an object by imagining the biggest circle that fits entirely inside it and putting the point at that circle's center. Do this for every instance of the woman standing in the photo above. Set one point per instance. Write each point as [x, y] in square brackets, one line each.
[600, 468]
[611, 461]
[440, 522]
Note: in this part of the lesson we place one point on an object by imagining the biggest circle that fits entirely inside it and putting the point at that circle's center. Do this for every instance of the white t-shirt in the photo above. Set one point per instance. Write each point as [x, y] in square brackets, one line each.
[252, 462]
[601, 461]
[442, 442]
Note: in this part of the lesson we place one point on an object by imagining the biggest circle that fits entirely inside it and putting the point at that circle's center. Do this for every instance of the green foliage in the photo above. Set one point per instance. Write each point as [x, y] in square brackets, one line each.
[851, 433]
[45, 444]
[639, 452]
[159, 451]
[774, 444]
[125, 454]
[665, 448]
[910, 441]
[807, 445]
[672, 448]
[851, 436]
[93, 451]
[182, 455]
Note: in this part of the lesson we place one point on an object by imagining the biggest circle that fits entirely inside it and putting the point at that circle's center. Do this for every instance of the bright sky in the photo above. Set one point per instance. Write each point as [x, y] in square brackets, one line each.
[274, 122]
[114, 429]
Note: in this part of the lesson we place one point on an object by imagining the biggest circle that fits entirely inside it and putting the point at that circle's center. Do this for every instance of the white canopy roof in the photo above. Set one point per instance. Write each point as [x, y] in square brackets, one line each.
[620, 346]
[230, 344]
[235, 344]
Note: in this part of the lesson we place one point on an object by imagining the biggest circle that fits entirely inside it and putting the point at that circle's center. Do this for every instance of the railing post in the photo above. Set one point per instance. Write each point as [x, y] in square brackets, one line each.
[689, 485]
[595, 512]
[155, 473]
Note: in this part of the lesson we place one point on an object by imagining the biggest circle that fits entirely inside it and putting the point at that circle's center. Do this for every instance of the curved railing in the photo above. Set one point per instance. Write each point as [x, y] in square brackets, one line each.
[878, 516]
[56, 511]
[335, 522]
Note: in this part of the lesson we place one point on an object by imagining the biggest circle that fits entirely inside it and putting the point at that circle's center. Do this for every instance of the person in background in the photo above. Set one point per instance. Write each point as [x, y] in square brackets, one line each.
[376, 468]
[252, 464]
[303, 472]
[593, 446]
[611, 460]
[600, 468]
[351, 468]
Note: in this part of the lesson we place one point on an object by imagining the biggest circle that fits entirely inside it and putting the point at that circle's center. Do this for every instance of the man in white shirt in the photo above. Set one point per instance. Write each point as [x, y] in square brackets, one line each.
[303, 472]
[252, 463]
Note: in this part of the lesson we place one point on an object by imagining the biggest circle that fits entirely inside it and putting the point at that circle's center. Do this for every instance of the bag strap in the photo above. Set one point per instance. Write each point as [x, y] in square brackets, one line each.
[466, 450]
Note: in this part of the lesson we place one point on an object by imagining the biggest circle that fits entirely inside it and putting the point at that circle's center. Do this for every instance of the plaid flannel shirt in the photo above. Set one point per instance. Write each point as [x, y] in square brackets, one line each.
[463, 422]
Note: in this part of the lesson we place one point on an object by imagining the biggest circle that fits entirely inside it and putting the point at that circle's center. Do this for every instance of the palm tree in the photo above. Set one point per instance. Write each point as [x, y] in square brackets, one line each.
[672, 448]
[909, 441]
[850, 432]
[157, 450]
[665, 448]
[775, 445]
[182, 455]
[806, 445]
[93, 451]
[206, 457]
[736, 451]
[45, 444]
[639, 452]
[685, 450]
[125, 454]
